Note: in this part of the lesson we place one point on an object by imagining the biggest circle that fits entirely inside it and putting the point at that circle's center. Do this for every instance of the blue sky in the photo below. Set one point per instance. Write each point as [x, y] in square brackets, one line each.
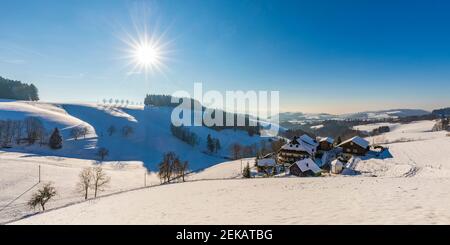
[323, 56]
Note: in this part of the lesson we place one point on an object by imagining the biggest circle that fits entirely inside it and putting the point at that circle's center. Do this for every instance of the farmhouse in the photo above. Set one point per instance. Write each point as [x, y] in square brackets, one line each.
[355, 146]
[325, 144]
[304, 167]
[297, 149]
[265, 165]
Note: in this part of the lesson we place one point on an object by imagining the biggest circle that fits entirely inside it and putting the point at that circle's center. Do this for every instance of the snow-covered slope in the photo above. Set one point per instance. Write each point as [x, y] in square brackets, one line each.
[149, 141]
[413, 149]
[411, 187]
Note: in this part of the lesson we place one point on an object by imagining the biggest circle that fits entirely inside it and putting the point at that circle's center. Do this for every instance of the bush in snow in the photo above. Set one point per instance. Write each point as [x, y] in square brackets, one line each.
[246, 171]
[55, 141]
[42, 196]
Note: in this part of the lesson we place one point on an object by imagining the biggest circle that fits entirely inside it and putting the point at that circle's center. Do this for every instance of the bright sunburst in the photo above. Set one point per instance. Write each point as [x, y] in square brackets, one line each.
[146, 54]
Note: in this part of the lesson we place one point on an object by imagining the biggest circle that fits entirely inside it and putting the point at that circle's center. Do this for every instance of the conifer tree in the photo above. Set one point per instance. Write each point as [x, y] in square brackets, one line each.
[55, 141]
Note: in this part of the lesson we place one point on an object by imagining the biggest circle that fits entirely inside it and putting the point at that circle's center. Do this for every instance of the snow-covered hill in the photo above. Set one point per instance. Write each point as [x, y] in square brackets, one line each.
[151, 137]
[410, 186]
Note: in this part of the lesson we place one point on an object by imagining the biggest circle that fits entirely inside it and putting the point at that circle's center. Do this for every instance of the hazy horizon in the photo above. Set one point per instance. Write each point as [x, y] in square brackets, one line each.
[323, 56]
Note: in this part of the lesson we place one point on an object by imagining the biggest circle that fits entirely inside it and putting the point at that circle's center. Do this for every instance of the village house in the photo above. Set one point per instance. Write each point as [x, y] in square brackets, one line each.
[304, 167]
[354, 146]
[336, 166]
[325, 144]
[266, 164]
[297, 149]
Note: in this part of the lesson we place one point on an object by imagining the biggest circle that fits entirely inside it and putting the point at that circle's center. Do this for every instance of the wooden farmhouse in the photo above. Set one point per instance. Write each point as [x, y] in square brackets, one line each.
[297, 149]
[325, 144]
[304, 167]
[355, 146]
[265, 165]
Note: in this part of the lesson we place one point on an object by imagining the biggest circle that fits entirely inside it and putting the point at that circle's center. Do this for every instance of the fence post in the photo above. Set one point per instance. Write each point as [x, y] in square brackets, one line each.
[39, 174]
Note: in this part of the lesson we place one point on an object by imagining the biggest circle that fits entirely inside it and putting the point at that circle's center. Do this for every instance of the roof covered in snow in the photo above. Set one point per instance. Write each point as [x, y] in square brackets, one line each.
[357, 140]
[308, 164]
[266, 162]
[336, 162]
[302, 143]
[327, 139]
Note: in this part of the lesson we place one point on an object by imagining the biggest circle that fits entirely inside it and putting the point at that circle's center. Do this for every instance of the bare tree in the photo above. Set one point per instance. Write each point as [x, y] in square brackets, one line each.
[111, 130]
[185, 167]
[127, 130]
[33, 128]
[76, 132]
[236, 150]
[84, 131]
[42, 196]
[99, 179]
[102, 153]
[86, 178]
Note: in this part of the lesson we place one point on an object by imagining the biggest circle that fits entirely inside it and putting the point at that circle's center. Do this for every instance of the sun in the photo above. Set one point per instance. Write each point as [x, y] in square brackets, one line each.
[147, 55]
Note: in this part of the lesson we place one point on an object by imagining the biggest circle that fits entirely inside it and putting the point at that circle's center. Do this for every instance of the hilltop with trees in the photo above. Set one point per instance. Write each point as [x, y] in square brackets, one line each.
[16, 90]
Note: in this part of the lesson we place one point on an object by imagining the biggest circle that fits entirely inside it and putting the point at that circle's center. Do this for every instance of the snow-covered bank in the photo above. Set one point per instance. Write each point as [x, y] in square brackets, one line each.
[339, 200]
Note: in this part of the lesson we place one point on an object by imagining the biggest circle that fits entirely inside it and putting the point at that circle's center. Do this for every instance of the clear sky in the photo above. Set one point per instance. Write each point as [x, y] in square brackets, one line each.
[323, 56]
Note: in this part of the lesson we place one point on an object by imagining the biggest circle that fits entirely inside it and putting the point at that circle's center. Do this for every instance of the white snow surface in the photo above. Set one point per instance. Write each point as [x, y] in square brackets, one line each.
[407, 184]
[149, 141]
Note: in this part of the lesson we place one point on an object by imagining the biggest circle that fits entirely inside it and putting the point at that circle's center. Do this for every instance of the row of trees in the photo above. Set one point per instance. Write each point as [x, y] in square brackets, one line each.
[184, 134]
[119, 102]
[29, 130]
[171, 167]
[10, 89]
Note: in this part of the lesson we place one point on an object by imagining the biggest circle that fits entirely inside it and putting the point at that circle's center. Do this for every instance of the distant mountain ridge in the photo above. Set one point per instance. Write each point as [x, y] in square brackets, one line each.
[299, 117]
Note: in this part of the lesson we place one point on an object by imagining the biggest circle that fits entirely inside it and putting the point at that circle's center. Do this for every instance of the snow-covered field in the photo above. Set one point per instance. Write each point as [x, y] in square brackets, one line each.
[350, 200]
[411, 187]
[19, 172]
[372, 126]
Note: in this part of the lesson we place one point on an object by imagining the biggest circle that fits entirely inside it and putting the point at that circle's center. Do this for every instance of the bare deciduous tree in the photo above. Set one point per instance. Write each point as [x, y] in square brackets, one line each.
[235, 150]
[86, 178]
[42, 196]
[102, 153]
[111, 130]
[99, 179]
[127, 130]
